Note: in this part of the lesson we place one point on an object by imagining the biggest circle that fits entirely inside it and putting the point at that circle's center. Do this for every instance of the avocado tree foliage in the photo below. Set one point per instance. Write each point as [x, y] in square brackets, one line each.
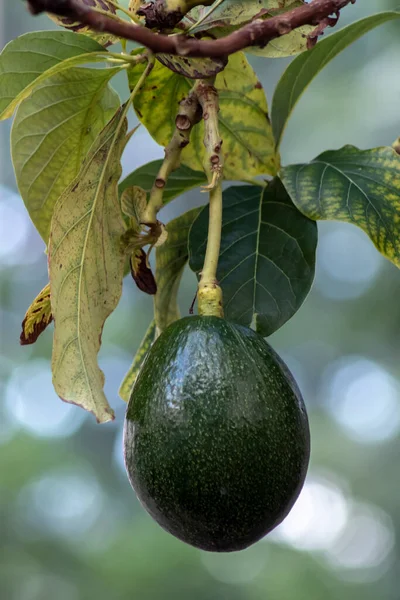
[252, 246]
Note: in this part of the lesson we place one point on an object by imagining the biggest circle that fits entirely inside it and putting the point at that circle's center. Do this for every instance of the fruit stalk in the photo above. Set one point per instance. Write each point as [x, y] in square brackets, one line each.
[209, 293]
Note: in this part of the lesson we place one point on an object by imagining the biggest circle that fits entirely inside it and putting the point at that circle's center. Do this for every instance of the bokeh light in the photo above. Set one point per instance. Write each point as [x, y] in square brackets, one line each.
[32, 403]
[363, 398]
[347, 262]
[66, 503]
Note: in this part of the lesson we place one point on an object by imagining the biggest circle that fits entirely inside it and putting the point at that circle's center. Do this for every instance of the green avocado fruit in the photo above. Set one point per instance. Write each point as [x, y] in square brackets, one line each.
[216, 437]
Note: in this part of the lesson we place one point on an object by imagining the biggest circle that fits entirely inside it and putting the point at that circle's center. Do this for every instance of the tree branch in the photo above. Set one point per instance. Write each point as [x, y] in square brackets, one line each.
[256, 33]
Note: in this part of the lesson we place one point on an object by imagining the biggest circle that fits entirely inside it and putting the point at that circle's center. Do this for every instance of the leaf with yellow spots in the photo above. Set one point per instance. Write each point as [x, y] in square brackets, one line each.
[356, 186]
[37, 318]
[248, 144]
[130, 378]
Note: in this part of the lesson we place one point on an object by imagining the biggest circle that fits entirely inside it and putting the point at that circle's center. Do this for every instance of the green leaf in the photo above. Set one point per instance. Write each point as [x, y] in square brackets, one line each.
[31, 58]
[130, 378]
[37, 318]
[179, 182]
[171, 259]
[267, 258]
[248, 146]
[305, 67]
[356, 186]
[86, 265]
[52, 133]
[193, 68]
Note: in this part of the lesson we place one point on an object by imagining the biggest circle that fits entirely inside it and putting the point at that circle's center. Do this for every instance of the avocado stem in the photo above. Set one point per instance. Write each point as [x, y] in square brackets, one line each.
[210, 294]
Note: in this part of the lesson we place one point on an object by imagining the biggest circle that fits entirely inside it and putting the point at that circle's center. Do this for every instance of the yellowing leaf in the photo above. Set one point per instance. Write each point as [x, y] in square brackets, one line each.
[356, 186]
[130, 378]
[86, 265]
[248, 145]
[37, 318]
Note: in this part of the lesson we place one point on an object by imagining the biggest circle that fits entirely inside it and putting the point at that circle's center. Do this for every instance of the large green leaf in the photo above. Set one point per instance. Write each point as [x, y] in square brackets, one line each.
[267, 258]
[31, 58]
[86, 266]
[179, 182]
[144, 347]
[248, 146]
[305, 67]
[52, 133]
[171, 259]
[357, 186]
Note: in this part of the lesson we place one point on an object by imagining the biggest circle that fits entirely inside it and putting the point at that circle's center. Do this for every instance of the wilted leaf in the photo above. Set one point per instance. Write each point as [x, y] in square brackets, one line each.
[130, 378]
[37, 317]
[31, 58]
[248, 146]
[86, 265]
[171, 259]
[52, 133]
[267, 258]
[179, 182]
[357, 186]
[141, 272]
[193, 68]
[101, 38]
[305, 67]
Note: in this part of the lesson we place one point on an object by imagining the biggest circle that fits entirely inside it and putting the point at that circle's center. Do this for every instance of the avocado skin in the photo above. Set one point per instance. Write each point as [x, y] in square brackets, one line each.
[216, 436]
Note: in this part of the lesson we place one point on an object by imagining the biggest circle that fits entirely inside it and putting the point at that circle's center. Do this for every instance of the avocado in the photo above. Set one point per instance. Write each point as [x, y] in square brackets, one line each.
[216, 436]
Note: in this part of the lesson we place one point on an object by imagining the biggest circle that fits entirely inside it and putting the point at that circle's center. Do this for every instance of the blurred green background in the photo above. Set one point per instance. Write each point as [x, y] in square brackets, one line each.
[71, 527]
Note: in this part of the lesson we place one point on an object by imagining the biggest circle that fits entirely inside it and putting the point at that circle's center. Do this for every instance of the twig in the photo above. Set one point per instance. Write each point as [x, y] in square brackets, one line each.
[213, 163]
[256, 33]
[188, 115]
